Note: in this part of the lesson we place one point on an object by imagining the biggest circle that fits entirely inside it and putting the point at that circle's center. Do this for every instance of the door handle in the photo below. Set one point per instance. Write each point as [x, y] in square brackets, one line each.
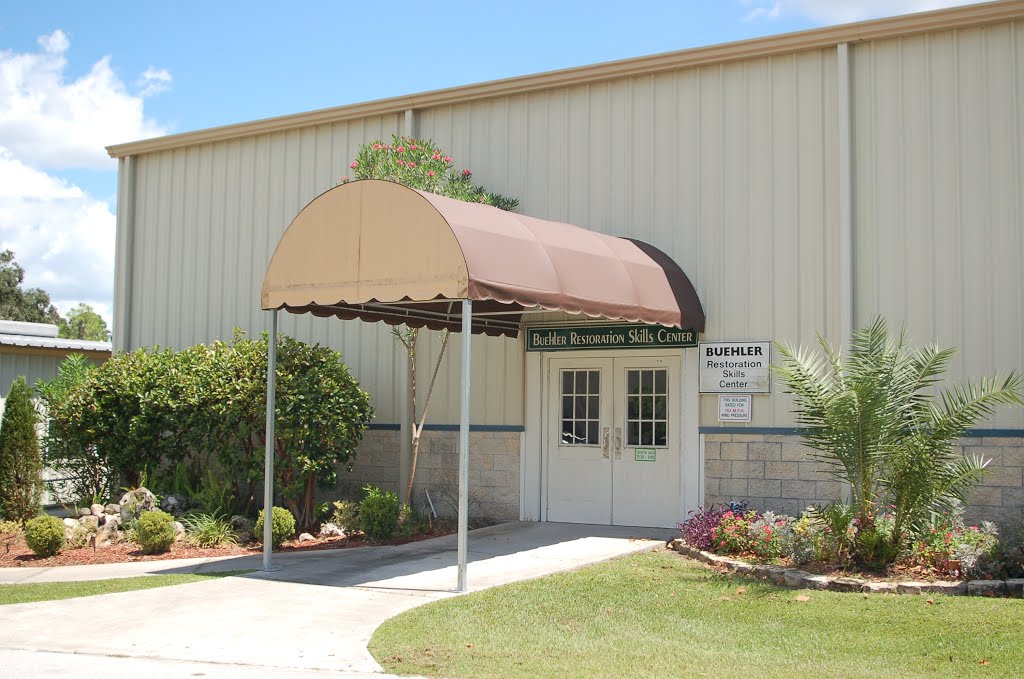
[604, 443]
[618, 443]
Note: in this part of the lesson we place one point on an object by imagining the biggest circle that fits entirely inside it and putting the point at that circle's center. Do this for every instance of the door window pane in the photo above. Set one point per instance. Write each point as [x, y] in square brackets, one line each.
[647, 407]
[581, 407]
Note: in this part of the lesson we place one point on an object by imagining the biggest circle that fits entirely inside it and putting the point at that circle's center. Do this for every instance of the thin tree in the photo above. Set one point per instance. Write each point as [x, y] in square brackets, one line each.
[420, 164]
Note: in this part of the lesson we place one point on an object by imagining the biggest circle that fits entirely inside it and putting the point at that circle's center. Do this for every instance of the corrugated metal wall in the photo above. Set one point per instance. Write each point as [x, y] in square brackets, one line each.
[939, 205]
[32, 368]
[732, 169]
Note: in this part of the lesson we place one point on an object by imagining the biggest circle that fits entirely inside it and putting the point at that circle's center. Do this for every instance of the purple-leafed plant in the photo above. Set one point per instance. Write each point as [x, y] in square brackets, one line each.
[696, 530]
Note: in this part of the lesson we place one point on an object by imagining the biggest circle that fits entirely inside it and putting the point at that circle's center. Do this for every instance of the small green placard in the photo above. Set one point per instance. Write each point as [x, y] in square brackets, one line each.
[644, 454]
[578, 337]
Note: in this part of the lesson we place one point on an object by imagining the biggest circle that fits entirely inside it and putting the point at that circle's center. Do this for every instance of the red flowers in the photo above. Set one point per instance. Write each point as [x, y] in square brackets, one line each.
[466, 173]
[354, 164]
[400, 149]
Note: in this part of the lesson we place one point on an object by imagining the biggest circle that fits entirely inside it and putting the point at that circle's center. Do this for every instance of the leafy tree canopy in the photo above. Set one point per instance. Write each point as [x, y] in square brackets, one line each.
[16, 304]
[85, 324]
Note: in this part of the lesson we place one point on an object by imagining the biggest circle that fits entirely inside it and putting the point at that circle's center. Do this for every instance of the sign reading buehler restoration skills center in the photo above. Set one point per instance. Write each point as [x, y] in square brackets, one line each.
[735, 367]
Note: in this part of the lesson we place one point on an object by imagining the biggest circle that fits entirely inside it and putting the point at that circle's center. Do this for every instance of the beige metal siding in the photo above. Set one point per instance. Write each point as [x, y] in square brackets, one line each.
[730, 169]
[207, 220]
[938, 213]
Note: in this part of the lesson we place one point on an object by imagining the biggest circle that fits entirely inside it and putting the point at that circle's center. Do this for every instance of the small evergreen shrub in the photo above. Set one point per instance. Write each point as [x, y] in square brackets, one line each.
[379, 513]
[44, 535]
[21, 482]
[154, 531]
[282, 526]
[208, 529]
[346, 515]
[696, 530]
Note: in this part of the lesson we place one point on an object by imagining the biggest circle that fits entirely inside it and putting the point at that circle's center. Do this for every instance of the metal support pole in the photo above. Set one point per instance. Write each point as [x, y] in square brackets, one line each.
[467, 318]
[268, 468]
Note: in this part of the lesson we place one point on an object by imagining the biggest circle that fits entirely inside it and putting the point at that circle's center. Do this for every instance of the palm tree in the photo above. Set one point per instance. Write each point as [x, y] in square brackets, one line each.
[873, 418]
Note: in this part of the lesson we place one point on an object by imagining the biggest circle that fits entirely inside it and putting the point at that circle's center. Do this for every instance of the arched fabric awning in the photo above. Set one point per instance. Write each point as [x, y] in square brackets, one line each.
[380, 251]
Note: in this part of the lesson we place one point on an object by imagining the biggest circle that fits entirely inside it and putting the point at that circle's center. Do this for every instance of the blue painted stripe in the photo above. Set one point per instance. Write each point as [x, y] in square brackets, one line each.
[793, 431]
[510, 428]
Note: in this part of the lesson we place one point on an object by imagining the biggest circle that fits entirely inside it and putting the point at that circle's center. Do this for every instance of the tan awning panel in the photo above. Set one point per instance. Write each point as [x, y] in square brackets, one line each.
[377, 250]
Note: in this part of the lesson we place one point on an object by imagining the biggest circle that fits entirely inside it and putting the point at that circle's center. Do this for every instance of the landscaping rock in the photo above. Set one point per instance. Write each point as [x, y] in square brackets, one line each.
[96, 510]
[817, 582]
[744, 568]
[986, 587]
[306, 537]
[329, 530]
[108, 534]
[794, 578]
[1015, 588]
[175, 505]
[952, 588]
[92, 522]
[70, 523]
[111, 519]
[847, 585]
[84, 511]
[112, 509]
[179, 530]
[911, 587]
[134, 502]
[242, 526]
[878, 587]
[777, 574]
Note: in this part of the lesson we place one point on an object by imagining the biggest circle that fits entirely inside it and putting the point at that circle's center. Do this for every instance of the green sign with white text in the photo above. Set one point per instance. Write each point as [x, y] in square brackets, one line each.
[635, 336]
[644, 454]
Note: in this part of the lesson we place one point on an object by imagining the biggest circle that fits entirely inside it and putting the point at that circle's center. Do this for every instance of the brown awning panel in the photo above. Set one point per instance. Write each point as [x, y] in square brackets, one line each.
[380, 251]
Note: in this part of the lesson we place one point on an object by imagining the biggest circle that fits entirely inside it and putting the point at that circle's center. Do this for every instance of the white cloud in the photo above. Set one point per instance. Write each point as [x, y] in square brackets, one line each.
[841, 11]
[154, 81]
[52, 124]
[61, 236]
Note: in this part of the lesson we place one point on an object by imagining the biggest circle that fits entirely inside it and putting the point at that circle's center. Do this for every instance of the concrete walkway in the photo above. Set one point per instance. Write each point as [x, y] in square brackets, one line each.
[316, 613]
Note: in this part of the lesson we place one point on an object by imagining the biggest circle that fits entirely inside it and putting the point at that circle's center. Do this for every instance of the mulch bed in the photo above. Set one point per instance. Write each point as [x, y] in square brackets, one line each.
[14, 552]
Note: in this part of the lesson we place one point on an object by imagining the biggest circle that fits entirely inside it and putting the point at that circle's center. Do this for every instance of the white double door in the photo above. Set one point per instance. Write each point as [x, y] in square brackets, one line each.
[613, 440]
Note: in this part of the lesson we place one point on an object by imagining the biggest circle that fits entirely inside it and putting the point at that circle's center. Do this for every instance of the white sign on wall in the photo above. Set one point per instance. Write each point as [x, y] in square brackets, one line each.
[734, 408]
[735, 367]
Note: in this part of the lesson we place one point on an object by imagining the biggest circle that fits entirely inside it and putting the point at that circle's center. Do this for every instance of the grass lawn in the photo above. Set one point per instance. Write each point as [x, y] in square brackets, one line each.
[658, 615]
[49, 591]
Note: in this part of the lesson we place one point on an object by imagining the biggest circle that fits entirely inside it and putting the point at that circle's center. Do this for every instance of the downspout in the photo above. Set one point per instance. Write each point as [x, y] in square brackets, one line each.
[845, 103]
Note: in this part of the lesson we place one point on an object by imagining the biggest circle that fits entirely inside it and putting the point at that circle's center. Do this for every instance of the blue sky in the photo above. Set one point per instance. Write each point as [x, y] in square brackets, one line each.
[77, 76]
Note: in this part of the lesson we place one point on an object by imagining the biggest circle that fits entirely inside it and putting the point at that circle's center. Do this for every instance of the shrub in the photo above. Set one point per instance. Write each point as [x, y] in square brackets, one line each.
[379, 513]
[696, 530]
[953, 549]
[208, 529]
[44, 535]
[154, 531]
[10, 527]
[282, 526]
[346, 515]
[732, 535]
[21, 483]
[771, 536]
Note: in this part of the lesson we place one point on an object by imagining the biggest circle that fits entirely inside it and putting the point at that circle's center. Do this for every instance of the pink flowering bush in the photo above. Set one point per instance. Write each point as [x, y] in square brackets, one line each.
[420, 164]
[732, 534]
[771, 535]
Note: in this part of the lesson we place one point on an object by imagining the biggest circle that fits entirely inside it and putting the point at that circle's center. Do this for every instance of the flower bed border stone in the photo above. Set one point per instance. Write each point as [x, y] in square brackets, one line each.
[798, 579]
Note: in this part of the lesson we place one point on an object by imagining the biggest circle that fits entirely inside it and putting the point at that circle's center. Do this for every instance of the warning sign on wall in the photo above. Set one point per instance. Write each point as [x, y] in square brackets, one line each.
[734, 408]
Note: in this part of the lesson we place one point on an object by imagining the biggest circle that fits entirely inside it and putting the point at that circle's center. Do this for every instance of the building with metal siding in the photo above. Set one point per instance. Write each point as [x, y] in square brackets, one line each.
[804, 182]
